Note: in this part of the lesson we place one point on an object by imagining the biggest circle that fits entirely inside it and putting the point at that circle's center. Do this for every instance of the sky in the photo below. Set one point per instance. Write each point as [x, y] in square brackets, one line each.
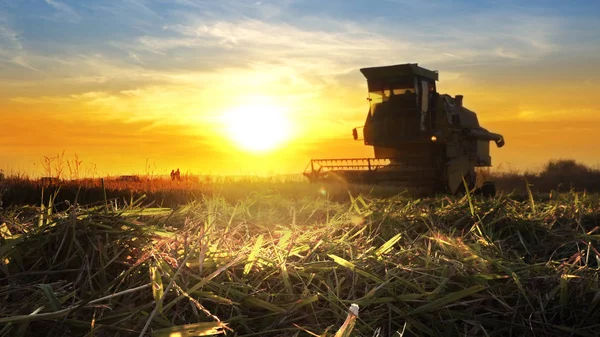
[146, 86]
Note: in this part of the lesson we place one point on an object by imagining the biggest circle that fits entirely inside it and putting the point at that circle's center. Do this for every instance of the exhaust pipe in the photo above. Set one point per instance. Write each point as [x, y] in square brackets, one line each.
[458, 101]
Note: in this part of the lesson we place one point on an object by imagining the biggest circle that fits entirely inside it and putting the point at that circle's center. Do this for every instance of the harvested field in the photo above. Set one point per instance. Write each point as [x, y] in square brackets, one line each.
[273, 264]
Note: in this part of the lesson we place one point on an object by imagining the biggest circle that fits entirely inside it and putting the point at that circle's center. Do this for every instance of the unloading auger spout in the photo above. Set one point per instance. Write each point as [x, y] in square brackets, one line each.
[483, 134]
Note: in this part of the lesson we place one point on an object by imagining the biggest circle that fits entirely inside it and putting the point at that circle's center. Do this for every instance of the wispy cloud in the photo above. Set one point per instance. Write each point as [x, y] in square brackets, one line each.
[228, 46]
[65, 11]
[138, 6]
[9, 38]
[12, 50]
[452, 55]
[265, 9]
[204, 36]
[310, 58]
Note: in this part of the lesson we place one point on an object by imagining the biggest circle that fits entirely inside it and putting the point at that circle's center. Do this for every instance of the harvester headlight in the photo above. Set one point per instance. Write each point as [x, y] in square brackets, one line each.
[433, 138]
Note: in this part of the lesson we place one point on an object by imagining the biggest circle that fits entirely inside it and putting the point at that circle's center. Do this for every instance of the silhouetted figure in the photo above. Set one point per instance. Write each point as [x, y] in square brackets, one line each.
[178, 175]
[172, 174]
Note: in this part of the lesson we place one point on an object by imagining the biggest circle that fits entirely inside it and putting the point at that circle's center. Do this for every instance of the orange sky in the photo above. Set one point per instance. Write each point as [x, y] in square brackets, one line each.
[158, 88]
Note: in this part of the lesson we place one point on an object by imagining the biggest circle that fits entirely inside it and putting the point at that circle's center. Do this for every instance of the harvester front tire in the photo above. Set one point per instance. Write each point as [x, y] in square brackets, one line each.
[488, 189]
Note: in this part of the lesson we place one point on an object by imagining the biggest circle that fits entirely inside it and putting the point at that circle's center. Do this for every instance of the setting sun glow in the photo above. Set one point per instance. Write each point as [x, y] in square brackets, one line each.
[257, 127]
[235, 87]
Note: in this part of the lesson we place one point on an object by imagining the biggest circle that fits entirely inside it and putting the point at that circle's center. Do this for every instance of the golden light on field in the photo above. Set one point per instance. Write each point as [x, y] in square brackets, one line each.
[257, 126]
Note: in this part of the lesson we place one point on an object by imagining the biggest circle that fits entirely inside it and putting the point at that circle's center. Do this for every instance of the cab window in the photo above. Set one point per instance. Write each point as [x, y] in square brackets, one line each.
[425, 90]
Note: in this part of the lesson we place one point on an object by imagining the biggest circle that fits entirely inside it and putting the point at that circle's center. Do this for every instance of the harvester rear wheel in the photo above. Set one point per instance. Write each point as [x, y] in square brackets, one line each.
[488, 189]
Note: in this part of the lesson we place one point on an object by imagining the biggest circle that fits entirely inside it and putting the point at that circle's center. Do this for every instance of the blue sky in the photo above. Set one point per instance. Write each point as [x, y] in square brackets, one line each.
[502, 29]
[38, 32]
[138, 61]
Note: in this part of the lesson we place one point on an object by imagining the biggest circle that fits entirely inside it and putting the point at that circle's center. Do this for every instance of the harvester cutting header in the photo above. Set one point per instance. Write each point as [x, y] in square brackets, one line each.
[421, 139]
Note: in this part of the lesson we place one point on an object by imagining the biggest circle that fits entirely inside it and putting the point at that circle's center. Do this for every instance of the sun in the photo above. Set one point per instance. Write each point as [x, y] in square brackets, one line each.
[257, 127]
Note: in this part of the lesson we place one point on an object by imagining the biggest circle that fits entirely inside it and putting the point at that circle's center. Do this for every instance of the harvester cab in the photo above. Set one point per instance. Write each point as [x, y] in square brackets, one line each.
[421, 139]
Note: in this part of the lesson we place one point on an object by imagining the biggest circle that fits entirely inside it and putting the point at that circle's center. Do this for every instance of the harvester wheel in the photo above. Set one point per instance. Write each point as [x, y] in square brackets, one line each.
[488, 189]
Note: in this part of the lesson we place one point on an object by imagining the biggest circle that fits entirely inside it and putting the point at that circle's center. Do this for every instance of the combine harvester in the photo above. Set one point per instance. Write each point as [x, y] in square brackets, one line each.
[422, 140]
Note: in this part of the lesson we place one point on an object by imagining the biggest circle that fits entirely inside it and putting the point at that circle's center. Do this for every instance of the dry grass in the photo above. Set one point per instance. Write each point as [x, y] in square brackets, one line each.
[557, 176]
[167, 193]
[277, 263]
